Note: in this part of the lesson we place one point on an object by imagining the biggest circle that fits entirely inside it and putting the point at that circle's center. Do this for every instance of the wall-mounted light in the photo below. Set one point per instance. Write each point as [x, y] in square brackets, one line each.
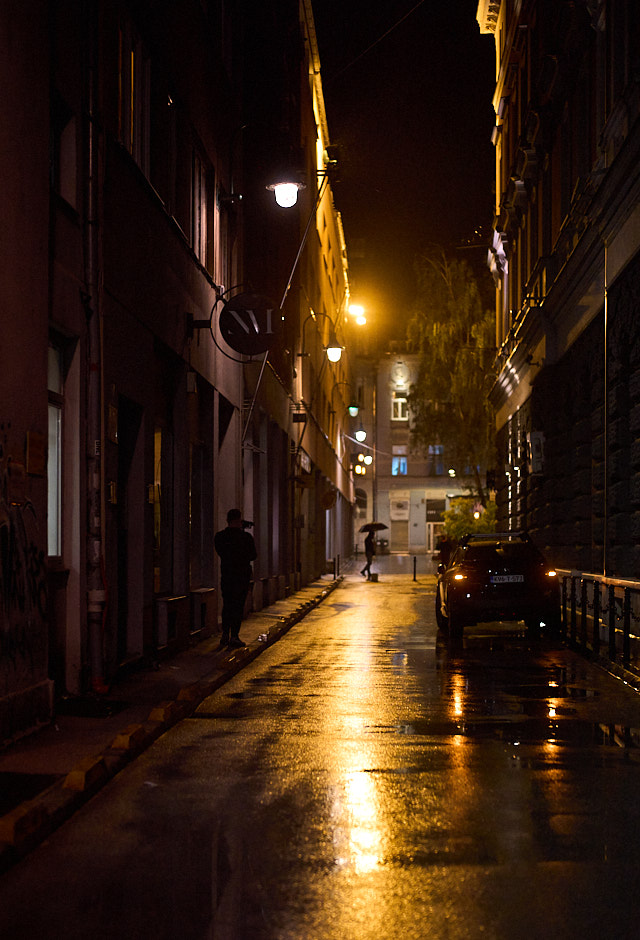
[333, 347]
[286, 192]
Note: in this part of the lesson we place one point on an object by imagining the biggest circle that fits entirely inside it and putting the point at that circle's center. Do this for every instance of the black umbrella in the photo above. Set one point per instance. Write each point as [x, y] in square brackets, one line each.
[373, 527]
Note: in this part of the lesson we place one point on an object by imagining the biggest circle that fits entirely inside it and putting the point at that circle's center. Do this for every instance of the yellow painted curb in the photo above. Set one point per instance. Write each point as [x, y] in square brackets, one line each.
[165, 711]
[21, 822]
[86, 774]
[129, 738]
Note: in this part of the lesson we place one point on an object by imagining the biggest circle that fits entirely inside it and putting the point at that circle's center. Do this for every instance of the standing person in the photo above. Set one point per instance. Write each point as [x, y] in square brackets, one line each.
[446, 548]
[369, 550]
[237, 550]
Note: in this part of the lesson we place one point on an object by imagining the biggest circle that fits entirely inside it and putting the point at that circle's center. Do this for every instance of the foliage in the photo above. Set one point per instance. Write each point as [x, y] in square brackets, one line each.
[459, 519]
[453, 330]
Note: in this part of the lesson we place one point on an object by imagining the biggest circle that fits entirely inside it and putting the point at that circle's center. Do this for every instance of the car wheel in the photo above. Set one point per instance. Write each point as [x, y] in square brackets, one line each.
[456, 623]
[441, 620]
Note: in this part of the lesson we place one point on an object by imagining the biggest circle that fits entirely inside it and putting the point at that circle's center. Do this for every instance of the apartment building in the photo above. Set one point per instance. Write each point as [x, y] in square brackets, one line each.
[566, 263]
[138, 142]
[405, 487]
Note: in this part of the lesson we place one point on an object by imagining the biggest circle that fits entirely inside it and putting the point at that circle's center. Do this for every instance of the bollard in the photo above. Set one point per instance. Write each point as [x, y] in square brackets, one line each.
[415, 561]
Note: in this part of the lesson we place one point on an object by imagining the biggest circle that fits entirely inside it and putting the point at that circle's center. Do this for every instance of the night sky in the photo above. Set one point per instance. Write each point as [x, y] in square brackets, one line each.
[413, 120]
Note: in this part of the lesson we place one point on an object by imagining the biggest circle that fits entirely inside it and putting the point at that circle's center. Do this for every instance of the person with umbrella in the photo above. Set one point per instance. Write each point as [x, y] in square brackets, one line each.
[370, 545]
[369, 550]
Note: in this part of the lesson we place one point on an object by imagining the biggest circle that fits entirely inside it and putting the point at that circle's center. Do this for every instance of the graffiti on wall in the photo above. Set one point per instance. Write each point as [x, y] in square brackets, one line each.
[23, 586]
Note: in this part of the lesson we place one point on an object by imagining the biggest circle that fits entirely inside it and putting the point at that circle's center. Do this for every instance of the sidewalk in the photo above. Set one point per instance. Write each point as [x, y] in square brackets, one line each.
[46, 776]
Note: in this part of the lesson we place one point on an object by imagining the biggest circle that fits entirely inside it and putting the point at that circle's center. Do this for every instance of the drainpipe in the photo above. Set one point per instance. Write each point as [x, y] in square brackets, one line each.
[605, 534]
[96, 594]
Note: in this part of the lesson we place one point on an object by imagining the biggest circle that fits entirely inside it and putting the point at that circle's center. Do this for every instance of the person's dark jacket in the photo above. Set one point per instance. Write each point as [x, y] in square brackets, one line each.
[237, 550]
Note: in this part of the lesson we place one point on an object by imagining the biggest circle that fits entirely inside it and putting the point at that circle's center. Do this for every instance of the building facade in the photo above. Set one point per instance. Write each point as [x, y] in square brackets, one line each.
[138, 142]
[566, 262]
[403, 487]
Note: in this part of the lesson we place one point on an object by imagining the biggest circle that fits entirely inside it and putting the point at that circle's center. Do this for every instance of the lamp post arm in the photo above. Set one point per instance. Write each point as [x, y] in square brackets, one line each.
[304, 238]
[311, 403]
[284, 297]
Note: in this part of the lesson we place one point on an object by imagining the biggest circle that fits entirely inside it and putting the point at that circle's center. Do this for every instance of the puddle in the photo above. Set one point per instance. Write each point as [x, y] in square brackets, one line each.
[553, 691]
[559, 729]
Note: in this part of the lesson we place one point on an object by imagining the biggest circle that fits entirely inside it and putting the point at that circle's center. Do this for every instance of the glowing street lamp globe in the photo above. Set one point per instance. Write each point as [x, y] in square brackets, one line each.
[286, 192]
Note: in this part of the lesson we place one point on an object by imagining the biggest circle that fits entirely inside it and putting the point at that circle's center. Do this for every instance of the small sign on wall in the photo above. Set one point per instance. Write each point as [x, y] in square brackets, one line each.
[399, 510]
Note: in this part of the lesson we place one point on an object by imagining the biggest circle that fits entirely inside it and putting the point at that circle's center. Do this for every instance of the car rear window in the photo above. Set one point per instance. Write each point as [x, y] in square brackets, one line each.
[509, 553]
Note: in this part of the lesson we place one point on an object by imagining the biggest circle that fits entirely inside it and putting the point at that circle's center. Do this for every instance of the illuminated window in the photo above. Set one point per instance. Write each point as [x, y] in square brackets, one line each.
[435, 466]
[398, 466]
[64, 151]
[134, 97]
[201, 211]
[399, 407]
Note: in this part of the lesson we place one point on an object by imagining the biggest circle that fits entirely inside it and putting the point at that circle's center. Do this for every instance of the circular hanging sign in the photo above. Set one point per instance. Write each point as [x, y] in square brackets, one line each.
[249, 323]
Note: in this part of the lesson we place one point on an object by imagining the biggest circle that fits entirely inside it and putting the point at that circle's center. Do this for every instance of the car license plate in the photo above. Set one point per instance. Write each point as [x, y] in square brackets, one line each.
[507, 579]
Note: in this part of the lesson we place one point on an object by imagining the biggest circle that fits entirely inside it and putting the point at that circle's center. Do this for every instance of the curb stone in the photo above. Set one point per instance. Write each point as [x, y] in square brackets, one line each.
[28, 824]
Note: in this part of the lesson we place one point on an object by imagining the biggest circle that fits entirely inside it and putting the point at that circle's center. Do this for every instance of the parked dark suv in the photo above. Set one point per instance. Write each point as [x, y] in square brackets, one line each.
[497, 576]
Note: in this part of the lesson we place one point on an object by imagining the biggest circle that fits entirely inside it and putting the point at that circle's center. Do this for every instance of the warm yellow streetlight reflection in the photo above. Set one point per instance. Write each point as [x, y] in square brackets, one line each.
[457, 696]
[364, 836]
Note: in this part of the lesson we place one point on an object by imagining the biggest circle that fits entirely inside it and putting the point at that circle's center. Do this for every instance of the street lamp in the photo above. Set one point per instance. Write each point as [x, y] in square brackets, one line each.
[358, 312]
[361, 434]
[353, 407]
[286, 192]
[333, 348]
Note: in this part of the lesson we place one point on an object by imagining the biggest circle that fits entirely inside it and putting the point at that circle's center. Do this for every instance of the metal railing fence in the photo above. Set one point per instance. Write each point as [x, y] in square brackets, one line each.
[601, 615]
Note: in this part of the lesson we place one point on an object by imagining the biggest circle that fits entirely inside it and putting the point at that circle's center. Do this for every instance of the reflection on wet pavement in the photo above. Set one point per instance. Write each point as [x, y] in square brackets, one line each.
[366, 778]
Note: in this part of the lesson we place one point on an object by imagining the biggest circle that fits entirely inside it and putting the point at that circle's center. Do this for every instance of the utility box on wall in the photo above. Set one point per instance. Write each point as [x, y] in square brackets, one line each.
[204, 611]
[172, 622]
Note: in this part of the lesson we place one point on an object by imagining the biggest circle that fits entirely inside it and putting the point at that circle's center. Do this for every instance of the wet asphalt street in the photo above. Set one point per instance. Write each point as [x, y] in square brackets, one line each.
[364, 779]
